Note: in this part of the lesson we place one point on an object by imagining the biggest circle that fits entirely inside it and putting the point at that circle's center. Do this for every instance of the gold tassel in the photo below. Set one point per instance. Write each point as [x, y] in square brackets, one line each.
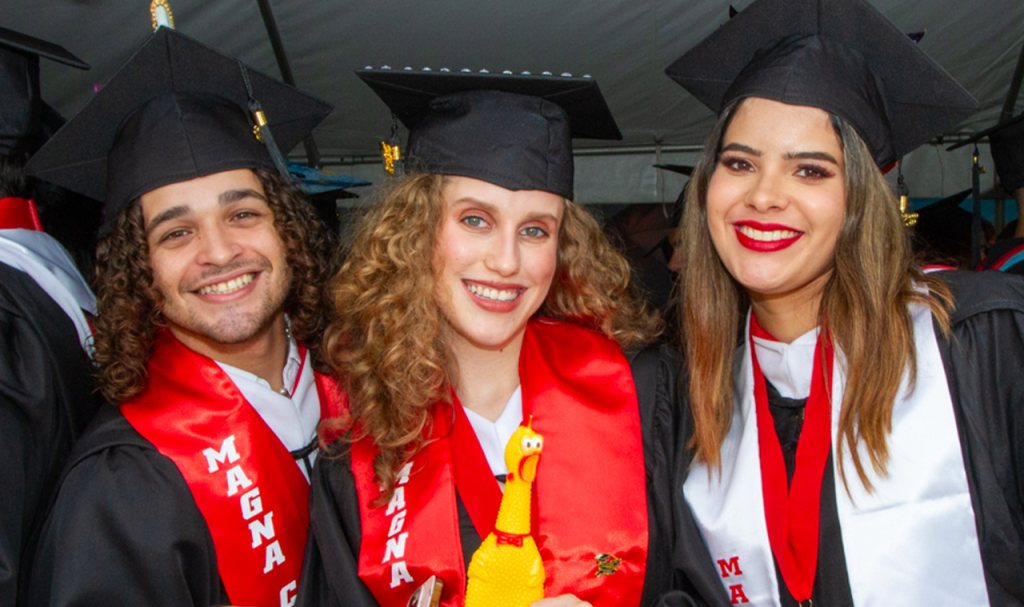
[909, 219]
[392, 154]
[261, 120]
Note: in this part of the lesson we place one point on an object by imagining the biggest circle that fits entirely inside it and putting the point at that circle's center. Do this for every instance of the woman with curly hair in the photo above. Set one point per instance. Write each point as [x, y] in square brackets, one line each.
[861, 446]
[476, 298]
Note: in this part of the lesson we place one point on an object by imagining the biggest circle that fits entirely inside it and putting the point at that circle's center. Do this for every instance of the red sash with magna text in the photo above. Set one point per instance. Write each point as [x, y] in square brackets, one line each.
[247, 486]
[590, 496]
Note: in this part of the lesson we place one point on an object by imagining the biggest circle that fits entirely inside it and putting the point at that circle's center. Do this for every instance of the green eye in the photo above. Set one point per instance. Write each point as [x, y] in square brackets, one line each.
[534, 232]
[473, 221]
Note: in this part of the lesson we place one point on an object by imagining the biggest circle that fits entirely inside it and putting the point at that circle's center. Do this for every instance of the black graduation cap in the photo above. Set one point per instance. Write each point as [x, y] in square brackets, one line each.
[176, 111]
[23, 115]
[943, 231]
[842, 56]
[512, 130]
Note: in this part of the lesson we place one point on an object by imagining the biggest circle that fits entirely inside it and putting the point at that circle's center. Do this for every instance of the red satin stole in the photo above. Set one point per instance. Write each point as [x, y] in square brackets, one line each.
[18, 213]
[590, 495]
[792, 513]
[246, 484]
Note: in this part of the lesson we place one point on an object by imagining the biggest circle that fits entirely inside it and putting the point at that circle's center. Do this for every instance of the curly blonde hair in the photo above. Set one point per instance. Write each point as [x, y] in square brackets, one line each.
[387, 344]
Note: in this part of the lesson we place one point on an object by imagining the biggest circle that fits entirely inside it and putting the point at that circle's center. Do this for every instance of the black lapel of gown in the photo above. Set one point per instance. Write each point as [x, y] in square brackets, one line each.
[984, 364]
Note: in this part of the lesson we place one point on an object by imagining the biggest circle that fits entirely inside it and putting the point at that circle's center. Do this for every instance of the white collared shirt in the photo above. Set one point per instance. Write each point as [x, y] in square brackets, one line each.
[494, 436]
[293, 420]
[788, 366]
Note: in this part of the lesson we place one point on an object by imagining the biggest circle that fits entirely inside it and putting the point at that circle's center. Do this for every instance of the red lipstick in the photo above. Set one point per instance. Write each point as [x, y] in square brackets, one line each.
[765, 246]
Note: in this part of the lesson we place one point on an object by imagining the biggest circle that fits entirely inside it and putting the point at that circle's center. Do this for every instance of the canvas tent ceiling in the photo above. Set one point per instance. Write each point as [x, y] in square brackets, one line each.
[624, 44]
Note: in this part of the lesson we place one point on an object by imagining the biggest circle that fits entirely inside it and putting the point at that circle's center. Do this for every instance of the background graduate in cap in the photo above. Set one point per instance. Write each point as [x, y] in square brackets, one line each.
[46, 392]
[193, 491]
[477, 294]
[1007, 144]
[862, 446]
[942, 234]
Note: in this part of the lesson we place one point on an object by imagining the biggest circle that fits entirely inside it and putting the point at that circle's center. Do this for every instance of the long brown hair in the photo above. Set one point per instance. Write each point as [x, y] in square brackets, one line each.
[873, 279]
[387, 340]
[128, 304]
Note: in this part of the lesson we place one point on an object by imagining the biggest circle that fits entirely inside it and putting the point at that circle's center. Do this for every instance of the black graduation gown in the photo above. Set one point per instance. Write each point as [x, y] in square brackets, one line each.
[46, 400]
[125, 529]
[1001, 248]
[330, 575]
[983, 360]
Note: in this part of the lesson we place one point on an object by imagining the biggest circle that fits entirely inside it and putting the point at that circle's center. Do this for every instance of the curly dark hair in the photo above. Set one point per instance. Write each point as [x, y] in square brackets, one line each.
[129, 305]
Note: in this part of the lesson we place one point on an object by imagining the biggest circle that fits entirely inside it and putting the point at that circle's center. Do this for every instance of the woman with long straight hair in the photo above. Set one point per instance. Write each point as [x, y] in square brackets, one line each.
[857, 422]
[478, 298]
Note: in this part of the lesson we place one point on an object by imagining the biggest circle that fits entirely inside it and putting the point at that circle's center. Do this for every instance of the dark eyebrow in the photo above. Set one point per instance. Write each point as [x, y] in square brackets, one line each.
[229, 196]
[169, 214]
[226, 197]
[739, 147]
[812, 156]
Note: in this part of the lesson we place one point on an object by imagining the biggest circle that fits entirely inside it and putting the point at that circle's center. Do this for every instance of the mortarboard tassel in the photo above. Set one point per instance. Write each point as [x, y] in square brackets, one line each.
[262, 130]
[392, 151]
[392, 154]
[909, 219]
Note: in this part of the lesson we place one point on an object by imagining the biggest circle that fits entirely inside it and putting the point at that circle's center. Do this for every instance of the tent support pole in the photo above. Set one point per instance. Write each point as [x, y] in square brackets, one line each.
[270, 22]
[1011, 95]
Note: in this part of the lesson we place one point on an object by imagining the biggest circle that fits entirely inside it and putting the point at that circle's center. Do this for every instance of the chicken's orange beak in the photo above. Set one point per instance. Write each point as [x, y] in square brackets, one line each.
[528, 466]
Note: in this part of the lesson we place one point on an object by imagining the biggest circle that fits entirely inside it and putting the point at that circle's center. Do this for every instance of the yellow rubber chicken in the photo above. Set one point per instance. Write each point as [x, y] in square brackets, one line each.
[506, 571]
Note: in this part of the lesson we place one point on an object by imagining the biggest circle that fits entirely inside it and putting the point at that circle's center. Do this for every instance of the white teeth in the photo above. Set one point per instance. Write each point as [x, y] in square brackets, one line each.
[756, 234]
[492, 294]
[230, 286]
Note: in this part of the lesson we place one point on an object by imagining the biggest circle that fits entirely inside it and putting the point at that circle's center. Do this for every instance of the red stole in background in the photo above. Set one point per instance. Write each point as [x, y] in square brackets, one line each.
[19, 213]
[246, 484]
[590, 496]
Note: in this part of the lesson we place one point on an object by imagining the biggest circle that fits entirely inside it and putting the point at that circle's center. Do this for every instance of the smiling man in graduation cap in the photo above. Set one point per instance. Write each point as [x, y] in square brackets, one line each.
[47, 396]
[862, 445]
[193, 490]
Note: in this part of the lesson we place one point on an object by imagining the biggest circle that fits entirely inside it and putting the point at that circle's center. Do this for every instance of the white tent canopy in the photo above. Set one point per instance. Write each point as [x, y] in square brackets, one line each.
[624, 45]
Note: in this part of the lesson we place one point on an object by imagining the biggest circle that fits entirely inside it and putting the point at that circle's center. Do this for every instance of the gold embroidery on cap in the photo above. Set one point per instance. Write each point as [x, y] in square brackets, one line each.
[160, 14]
